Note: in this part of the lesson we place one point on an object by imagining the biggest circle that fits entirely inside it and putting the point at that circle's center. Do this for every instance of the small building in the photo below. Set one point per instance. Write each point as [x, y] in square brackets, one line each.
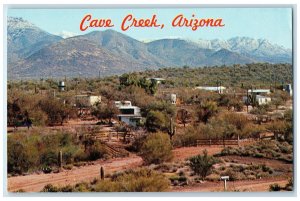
[158, 80]
[288, 88]
[261, 100]
[219, 89]
[129, 114]
[259, 91]
[87, 100]
[173, 99]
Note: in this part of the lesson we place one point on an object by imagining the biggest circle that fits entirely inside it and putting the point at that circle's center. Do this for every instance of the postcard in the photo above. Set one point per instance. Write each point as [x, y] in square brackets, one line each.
[150, 99]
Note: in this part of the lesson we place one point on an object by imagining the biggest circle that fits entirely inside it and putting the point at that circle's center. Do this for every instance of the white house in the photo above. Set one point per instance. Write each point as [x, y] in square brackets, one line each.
[129, 114]
[158, 80]
[261, 100]
[219, 89]
[259, 91]
[87, 100]
[288, 88]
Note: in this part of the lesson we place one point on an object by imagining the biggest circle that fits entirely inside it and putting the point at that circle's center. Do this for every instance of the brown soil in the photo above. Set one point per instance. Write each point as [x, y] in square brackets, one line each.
[36, 182]
[180, 154]
[275, 164]
[258, 185]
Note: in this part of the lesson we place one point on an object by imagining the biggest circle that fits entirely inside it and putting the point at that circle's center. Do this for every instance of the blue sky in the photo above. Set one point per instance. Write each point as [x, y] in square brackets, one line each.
[274, 24]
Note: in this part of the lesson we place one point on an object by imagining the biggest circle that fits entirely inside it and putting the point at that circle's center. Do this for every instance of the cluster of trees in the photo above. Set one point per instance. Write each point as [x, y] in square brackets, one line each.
[38, 109]
[158, 115]
[256, 75]
[227, 125]
[105, 111]
[37, 151]
[150, 86]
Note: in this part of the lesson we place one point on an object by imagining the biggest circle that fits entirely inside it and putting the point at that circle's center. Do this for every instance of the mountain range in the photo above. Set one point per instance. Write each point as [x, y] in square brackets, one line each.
[35, 53]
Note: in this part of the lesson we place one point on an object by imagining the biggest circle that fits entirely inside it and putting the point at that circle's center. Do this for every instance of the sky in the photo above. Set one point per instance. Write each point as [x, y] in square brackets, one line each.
[273, 24]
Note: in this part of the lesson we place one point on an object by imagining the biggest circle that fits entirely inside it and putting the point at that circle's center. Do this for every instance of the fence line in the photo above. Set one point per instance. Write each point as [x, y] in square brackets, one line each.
[217, 142]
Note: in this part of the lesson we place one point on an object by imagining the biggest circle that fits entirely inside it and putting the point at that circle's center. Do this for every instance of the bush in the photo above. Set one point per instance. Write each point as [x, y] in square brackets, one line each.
[202, 164]
[17, 157]
[49, 158]
[56, 111]
[68, 167]
[289, 186]
[156, 148]
[96, 151]
[50, 188]
[34, 151]
[274, 187]
[156, 121]
[140, 180]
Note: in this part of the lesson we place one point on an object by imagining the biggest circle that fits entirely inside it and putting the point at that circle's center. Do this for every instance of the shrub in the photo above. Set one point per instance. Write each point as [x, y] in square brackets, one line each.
[107, 186]
[274, 187]
[140, 180]
[156, 121]
[213, 177]
[96, 151]
[17, 157]
[56, 111]
[206, 110]
[289, 186]
[156, 148]
[68, 167]
[202, 164]
[50, 188]
[49, 158]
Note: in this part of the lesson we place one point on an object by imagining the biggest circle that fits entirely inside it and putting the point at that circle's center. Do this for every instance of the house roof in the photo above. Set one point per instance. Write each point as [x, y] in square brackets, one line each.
[129, 115]
[211, 88]
[259, 96]
[259, 90]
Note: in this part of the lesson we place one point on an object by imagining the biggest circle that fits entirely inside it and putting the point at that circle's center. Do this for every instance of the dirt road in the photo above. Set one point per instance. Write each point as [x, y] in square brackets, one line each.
[258, 185]
[186, 152]
[36, 182]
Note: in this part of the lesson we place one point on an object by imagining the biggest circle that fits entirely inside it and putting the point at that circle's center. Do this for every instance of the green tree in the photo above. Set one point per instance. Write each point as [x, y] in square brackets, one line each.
[156, 148]
[55, 110]
[105, 111]
[156, 121]
[17, 157]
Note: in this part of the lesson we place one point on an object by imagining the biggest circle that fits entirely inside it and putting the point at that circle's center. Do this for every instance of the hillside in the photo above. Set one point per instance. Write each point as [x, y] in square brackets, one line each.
[24, 39]
[35, 53]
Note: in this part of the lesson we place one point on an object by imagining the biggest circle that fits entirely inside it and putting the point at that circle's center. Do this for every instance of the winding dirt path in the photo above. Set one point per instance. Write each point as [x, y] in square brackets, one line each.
[36, 182]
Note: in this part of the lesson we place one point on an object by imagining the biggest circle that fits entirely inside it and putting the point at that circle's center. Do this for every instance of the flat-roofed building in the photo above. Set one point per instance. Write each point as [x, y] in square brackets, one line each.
[129, 114]
[219, 89]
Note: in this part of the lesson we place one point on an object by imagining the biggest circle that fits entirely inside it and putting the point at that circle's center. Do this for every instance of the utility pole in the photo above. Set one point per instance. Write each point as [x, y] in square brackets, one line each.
[247, 101]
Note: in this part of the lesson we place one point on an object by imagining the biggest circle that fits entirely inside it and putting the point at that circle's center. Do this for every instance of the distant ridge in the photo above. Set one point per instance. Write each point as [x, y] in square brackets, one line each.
[35, 53]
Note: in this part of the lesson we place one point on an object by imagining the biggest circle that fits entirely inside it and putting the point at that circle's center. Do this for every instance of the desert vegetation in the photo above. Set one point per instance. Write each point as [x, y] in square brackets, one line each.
[51, 132]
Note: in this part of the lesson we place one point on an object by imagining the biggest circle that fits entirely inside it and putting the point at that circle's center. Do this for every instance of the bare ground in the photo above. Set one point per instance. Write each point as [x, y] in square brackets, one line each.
[183, 153]
[259, 185]
[36, 182]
